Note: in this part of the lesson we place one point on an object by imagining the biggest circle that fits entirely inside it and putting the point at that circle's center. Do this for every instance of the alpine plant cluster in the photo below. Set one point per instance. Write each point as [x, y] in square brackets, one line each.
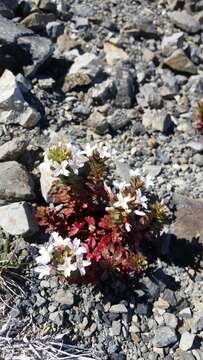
[96, 224]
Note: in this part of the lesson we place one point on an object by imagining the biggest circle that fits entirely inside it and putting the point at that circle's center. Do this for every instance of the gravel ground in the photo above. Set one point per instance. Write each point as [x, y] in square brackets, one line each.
[129, 74]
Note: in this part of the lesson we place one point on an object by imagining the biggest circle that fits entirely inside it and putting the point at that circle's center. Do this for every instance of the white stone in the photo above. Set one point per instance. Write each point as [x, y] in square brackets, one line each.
[18, 219]
[186, 341]
[171, 43]
[13, 108]
[82, 62]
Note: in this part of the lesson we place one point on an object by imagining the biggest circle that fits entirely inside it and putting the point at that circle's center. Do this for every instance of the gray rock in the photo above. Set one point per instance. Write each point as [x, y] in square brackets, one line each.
[57, 317]
[125, 86]
[12, 150]
[18, 219]
[10, 31]
[118, 120]
[118, 308]
[15, 182]
[178, 61]
[65, 297]
[90, 331]
[186, 341]
[164, 336]
[39, 48]
[114, 53]
[185, 313]
[55, 29]
[71, 81]
[198, 160]
[171, 43]
[197, 146]
[198, 326]
[116, 328]
[98, 122]
[37, 21]
[158, 120]
[185, 21]
[170, 320]
[82, 62]
[13, 108]
[103, 92]
[5, 10]
[151, 96]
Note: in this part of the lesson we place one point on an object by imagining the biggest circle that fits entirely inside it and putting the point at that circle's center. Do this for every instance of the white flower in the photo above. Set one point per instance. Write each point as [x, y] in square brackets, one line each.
[122, 185]
[128, 227]
[123, 202]
[60, 169]
[82, 264]
[43, 270]
[141, 199]
[58, 240]
[139, 213]
[45, 256]
[67, 266]
[148, 182]
[77, 160]
[75, 247]
[103, 150]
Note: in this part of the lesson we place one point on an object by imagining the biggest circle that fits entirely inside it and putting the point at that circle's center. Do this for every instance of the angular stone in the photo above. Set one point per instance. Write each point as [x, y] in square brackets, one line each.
[103, 92]
[170, 320]
[98, 122]
[39, 48]
[64, 297]
[164, 336]
[114, 53]
[13, 108]
[118, 308]
[18, 219]
[142, 27]
[171, 43]
[189, 222]
[185, 21]
[150, 96]
[179, 62]
[11, 31]
[186, 341]
[158, 120]
[118, 120]
[11, 150]
[82, 62]
[15, 182]
[116, 328]
[37, 21]
[124, 81]
[198, 160]
[71, 81]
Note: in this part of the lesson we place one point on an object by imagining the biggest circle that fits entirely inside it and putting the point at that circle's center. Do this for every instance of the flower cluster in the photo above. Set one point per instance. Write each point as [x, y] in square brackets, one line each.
[96, 222]
[199, 116]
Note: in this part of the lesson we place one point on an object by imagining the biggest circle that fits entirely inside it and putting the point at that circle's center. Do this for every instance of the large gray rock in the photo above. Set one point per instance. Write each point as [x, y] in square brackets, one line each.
[164, 336]
[158, 120]
[186, 341]
[13, 108]
[185, 21]
[18, 219]
[171, 43]
[10, 31]
[125, 87]
[179, 62]
[98, 122]
[39, 49]
[15, 183]
[21, 48]
[11, 150]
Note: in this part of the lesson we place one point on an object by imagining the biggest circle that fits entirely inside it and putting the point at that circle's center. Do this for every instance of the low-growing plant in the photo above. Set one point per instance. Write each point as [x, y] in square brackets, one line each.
[199, 117]
[94, 222]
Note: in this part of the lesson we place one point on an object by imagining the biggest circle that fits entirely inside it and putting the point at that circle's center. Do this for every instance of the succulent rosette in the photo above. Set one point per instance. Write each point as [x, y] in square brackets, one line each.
[94, 221]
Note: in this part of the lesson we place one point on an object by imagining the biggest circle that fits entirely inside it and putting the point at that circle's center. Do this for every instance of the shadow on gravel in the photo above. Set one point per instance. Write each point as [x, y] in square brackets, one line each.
[185, 253]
